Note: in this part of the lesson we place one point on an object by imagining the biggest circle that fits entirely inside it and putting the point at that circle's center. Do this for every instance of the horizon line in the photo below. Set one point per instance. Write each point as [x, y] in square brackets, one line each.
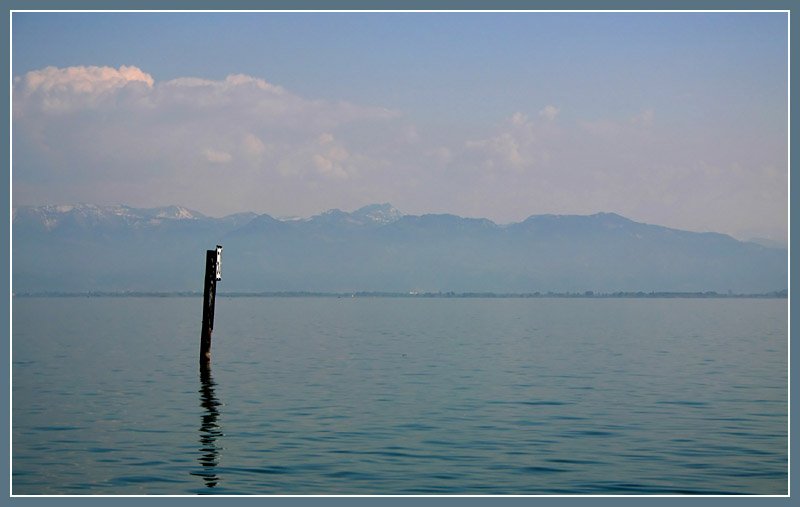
[587, 294]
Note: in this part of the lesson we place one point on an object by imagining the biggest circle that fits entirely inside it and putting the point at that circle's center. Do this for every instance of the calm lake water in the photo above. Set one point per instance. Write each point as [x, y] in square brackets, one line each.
[400, 396]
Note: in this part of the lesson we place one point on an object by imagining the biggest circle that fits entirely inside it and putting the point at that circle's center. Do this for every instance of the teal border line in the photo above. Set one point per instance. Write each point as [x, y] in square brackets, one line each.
[689, 5]
[400, 5]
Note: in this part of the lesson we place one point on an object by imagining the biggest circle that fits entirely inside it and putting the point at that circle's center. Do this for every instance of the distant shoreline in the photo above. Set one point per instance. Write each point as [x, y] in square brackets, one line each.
[782, 294]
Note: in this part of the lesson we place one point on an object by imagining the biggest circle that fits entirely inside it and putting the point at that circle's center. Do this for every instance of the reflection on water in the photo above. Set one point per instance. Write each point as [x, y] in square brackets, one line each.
[209, 429]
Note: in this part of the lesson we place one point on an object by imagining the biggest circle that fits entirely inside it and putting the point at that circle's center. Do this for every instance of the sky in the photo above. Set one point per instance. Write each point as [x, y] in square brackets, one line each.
[676, 119]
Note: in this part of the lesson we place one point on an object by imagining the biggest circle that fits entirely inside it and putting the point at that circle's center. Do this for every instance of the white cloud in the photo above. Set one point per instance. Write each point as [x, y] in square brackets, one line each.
[99, 134]
[253, 147]
[232, 82]
[332, 160]
[329, 166]
[84, 80]
[61, 90]
[217, 156]
[519, 119]
[500, 151]
[549, 112]
[517, 145]
[101, 123]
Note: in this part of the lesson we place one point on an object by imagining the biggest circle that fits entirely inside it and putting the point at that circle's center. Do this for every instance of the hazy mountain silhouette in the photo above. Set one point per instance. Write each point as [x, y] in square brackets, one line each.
[376, 248]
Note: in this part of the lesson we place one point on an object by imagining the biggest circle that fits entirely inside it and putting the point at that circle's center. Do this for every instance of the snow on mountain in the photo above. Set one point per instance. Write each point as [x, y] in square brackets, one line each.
[378, 213]
[371, 215]
[177, 213]
[51, 217]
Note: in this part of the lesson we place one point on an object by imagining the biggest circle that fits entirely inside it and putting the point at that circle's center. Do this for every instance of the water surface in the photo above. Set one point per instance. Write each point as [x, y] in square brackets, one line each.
[400, 396]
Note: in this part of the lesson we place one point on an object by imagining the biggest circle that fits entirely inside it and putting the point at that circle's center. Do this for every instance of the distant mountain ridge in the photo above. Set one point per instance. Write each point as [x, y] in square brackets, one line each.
[86, 247]
[50, 216]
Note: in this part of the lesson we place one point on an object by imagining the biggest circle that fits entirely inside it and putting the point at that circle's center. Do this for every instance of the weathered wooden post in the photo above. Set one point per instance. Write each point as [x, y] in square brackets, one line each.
[213, 275]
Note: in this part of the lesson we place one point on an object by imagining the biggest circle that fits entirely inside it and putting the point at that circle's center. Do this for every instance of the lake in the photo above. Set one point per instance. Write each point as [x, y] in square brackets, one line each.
[397, 396]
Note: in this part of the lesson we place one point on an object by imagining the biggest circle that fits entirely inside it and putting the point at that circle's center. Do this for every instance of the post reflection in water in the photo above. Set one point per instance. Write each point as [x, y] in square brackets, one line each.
[209, 429]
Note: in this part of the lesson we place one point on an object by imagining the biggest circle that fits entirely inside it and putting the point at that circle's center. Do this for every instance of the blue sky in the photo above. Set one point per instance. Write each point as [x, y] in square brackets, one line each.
[415, 61]
[672, 118]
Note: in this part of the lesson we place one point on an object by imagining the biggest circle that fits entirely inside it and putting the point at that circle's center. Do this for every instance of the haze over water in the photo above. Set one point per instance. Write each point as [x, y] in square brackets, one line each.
[400, 396]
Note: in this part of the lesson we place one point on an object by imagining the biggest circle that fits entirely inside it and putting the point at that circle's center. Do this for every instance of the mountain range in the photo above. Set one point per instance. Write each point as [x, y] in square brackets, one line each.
[83, 248]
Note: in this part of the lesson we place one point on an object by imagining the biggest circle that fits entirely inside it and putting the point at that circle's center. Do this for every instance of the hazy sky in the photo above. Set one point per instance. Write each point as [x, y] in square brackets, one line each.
[678, 119]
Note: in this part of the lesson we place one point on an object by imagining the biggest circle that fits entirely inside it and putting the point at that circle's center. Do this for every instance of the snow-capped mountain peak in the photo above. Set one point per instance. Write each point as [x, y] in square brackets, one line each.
[378, 213]
[178, 213]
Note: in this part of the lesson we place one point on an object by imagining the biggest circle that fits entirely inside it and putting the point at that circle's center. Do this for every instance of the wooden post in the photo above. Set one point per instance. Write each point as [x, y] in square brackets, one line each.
[209, 296]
